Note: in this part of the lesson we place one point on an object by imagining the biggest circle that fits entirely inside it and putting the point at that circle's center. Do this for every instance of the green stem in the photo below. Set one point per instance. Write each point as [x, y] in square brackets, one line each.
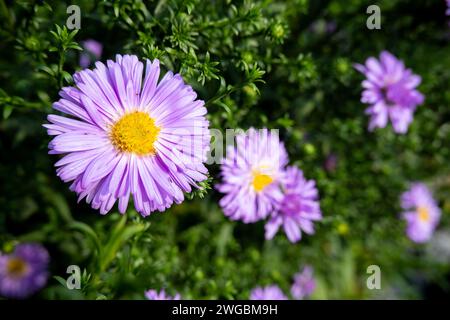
[227, 92]
[62, 59]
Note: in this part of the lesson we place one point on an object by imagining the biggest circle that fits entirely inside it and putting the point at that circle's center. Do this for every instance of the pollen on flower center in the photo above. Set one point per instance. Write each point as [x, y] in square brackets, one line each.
[135, 132]
[260, 180]
[423, 213]
[16, 267]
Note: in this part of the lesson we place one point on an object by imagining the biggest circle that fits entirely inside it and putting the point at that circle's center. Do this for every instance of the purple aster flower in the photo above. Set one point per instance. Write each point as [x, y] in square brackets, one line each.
[251, 173]
[272, 292]
[304, 283]
[127, 136]
[390, 91]
[421, 212]
[448, 8]
[92, 52]
[161, 295]
[298, 209]
[24, 271]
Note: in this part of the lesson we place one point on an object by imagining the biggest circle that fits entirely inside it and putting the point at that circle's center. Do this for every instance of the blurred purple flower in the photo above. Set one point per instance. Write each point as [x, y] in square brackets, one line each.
[251, 174]
[91, 53]
[271, 292]
[390, 91]
[448, 8]
[331, 162]
[161, 295]
[298, 209]
[304, 283]
[24, 271]
[421, 212]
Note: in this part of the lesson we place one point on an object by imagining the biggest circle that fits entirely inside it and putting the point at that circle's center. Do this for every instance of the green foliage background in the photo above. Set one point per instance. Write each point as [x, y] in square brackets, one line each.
[269, 63]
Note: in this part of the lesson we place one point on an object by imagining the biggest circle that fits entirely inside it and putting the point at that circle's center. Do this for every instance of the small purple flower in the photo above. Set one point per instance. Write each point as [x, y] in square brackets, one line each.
[161, 295]
[304, 283]
[298, 209]
[127, 134]
[448, 8]
[421, 212]
[331, 162]
[92, 52]
[251, 174]
[390, 91]
[271, 292]
[24, 271]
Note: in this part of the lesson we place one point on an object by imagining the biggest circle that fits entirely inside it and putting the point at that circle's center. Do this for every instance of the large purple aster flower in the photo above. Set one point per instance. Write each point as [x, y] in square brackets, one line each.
[298, 209]
[161, 295]
[390, 91]
[251, 173]
[421, 212]
[272, 292]
[24, 271]
[124, 136]
[304, 283]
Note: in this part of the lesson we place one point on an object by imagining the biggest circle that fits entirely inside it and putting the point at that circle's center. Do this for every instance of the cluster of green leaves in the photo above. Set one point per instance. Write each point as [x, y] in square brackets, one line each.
[261, 63]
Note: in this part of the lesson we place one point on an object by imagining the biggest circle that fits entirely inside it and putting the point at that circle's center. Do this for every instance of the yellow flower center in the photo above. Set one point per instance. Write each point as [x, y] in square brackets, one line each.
[260, 180]
[423, 213]
[135, 132]
[16, 267]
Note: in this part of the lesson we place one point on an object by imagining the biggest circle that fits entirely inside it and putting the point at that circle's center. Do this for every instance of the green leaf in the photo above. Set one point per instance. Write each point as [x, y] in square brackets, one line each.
[120, 234]
[87, 230]
[7, 110]
[61, 280]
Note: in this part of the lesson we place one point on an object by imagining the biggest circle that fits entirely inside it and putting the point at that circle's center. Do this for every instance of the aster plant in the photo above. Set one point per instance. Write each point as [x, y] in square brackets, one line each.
[24, 271]
[421, 212]
[298, 209]
[283, 65]
[251, 174]
[127, 134]
[304, 283]
[390, 90]
[160, 295]
[271, 292]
